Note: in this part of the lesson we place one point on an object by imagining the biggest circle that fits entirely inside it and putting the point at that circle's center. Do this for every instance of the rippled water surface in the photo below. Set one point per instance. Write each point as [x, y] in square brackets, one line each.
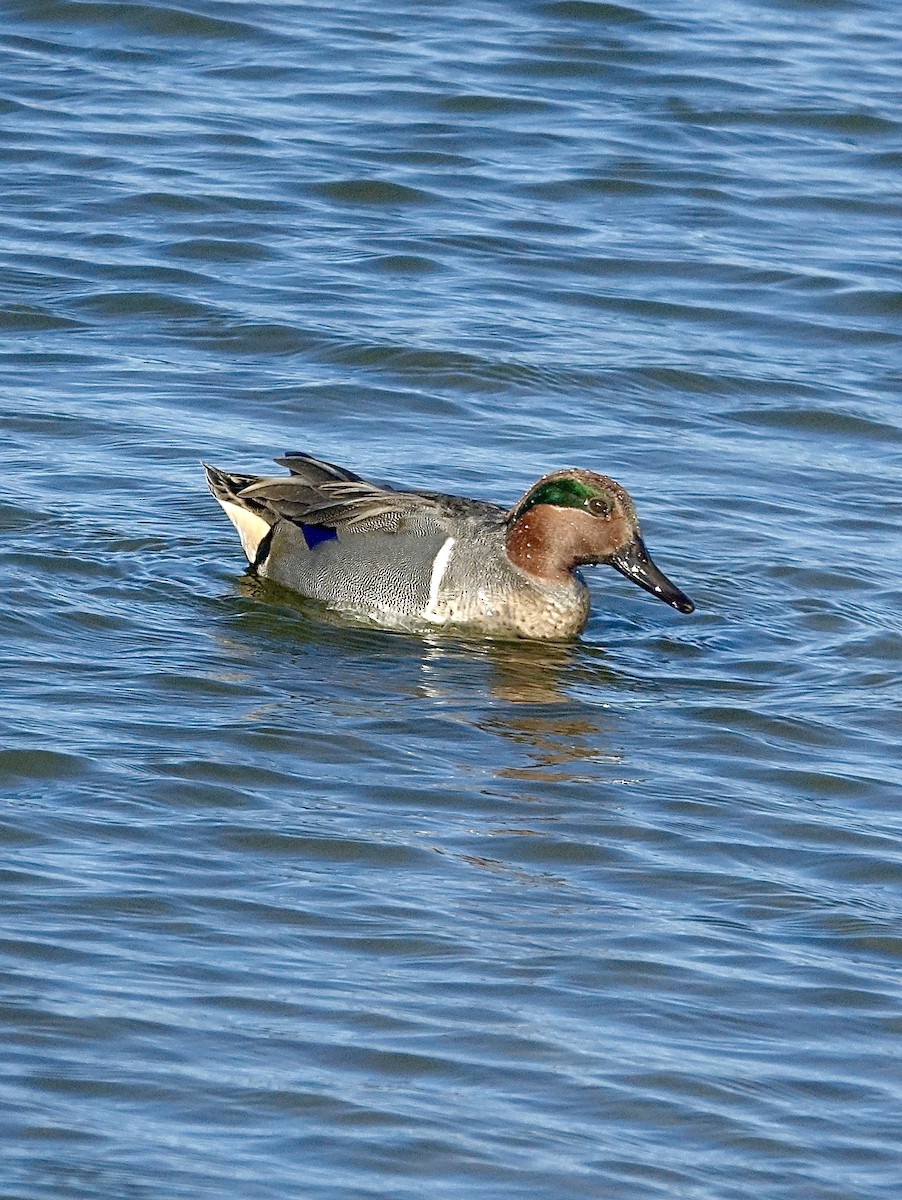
[292, 908]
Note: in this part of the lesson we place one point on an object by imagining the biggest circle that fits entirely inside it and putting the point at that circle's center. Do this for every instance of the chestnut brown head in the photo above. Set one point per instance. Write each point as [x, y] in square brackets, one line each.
[574, 518]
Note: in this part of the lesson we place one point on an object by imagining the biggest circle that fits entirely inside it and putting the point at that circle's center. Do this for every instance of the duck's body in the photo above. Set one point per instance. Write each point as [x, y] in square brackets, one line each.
[417, 560]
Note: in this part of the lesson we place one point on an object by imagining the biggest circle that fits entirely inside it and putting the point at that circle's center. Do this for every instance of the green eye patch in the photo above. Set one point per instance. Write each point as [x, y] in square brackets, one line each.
[564, 493]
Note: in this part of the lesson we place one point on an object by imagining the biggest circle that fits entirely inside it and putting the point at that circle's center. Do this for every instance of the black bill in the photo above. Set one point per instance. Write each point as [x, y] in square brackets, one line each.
[634, 562]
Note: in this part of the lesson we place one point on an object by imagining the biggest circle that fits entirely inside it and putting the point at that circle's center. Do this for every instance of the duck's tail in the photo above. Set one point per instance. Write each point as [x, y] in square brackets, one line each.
[252, 519]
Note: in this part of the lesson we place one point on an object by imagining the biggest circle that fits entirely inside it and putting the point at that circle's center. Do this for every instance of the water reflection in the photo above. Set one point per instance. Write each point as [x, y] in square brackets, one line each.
[560, 750]
[524, 693]
[515, 672]
[529, 689]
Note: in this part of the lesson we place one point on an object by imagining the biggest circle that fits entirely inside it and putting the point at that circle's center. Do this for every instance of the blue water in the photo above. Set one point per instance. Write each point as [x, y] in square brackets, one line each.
[292, 908]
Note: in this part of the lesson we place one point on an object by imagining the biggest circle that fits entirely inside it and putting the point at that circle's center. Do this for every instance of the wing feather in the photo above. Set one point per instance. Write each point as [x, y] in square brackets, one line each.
[351, 505]
[314, 470]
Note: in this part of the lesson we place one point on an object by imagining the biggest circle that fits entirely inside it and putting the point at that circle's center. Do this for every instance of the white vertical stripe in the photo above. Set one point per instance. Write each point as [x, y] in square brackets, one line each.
[439, 567]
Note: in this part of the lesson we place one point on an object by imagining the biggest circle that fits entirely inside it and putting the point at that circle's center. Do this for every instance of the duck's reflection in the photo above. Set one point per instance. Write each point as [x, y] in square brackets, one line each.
[528, 697]
[547, 701]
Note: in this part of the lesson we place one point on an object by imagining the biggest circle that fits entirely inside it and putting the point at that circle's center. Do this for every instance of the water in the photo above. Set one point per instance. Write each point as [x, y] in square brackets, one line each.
[292, 908]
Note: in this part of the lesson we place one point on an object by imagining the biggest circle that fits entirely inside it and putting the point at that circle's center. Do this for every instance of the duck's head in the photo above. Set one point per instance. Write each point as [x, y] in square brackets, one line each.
[572, 518]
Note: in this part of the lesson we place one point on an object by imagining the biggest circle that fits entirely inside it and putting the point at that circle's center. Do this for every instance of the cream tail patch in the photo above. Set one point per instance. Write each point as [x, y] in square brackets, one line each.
[251, 528]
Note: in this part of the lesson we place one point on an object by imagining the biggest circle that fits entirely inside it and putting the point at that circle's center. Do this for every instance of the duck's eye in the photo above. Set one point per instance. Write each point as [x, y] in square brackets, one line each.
[600, 506]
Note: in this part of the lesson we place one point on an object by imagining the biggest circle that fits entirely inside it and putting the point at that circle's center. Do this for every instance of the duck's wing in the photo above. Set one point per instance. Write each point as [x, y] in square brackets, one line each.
[351, 505]
[321, 494]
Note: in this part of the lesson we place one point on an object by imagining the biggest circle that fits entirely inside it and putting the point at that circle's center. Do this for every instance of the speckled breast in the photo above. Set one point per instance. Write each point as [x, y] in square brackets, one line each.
[488, 594]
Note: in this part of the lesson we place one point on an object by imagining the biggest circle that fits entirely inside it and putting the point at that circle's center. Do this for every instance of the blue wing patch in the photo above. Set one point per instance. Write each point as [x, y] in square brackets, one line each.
[314, 534]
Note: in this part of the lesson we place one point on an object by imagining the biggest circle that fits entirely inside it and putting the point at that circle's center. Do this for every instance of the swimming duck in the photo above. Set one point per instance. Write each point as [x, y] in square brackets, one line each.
[418, 560]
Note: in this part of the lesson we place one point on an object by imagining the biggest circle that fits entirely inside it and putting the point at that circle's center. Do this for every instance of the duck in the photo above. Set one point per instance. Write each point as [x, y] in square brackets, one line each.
[419, 561]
